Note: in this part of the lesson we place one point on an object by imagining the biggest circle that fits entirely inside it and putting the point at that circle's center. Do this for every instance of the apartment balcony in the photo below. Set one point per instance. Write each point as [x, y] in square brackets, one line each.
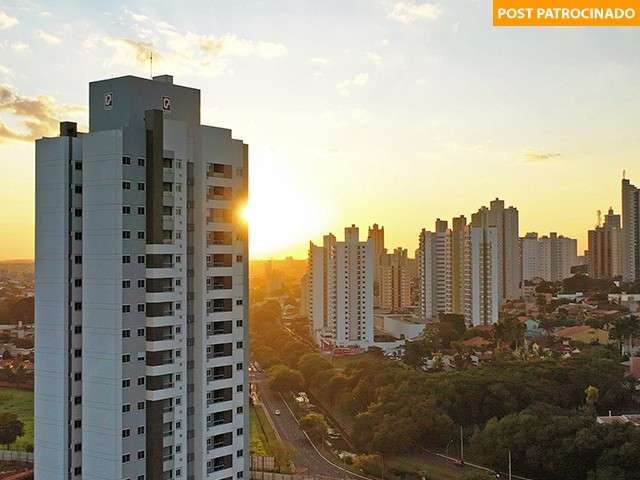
[219, 170]
[168, 175]
[160, 345]
[159, 370]
[168, 199]
[161, 394]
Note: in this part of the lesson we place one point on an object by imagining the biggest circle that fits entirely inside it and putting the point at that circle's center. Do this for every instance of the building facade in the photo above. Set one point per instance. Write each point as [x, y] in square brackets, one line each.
[394, 280]
[482, 303]
[606, 248]
[549, 258]
[141, 291]
[631, 230]
[340, 291]
[435, 268]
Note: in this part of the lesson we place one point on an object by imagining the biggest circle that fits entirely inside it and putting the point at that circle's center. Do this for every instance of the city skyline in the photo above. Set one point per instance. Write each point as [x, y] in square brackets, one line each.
[400, 116]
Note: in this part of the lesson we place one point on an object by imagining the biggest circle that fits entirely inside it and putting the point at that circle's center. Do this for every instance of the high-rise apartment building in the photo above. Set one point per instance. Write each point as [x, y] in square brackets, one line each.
[394, 279]
[340, 291]
[631, 230]
[141, 291]
[549, 258]
[606, 248]
[434, 267]
[482, 275]
[376, 234]
[458, 262]
[505, 220]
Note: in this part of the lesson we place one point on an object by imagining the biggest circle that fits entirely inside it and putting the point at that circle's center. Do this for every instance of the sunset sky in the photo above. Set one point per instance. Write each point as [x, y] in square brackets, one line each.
[356, 111]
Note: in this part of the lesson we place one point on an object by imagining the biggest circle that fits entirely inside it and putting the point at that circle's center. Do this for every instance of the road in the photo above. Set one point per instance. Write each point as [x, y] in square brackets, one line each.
[307, 458]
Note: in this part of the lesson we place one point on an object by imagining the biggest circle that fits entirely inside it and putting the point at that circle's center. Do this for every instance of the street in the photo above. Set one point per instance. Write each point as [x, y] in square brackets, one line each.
[307, 459]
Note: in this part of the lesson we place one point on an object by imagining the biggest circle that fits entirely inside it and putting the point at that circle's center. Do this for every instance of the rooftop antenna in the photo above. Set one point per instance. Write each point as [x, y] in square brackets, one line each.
[624, 174]
[151, 63]
[599, 214]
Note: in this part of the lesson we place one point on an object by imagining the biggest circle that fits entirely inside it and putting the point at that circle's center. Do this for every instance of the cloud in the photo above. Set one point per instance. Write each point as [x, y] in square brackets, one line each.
[15, 46]
[411, 10]
[374, 58]
[6, 71]
[37, 116]
[540, 157]
[320, 61]
[185, 52]
[358, 80]
[7, 21]
[48, 37]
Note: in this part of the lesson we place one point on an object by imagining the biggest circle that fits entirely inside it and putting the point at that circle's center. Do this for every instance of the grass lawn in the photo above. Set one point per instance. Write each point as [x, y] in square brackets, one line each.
[431, 471]
[19, 402]
[263, 438]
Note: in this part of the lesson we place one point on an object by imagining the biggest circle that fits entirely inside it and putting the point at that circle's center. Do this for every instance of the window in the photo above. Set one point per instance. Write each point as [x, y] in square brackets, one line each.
[141, 186]
[140, 405]
[77, 306]
[141, 307]
[77, 376]
[77, 329]
[77, 259]
[78, 166]
[126, 185]
[239, 366]
[126, 284]
[238, 258]
[126, 432]
[126, 308]
[126, 234]
[238, 388]
[77, 235]
[141, 430]
[141, 332]
[77, 424]
[141, 162]
[140, 235]
[126, 333]
[141, 356]
[140, 454]
[239, 432]
[239, 302]
[126, 209]
[239, 453]
[140, 380]
[77, 400]
[126, 383]
[140, 283]
[126, 358]
[77, 282]
[125, 458]
[238, 323]
[239, 410]
[126, 259]
[126, 160]
[77, 470]
[140, 210]
[126, 408]
[140, 258]
[77, 188]
[238, 344]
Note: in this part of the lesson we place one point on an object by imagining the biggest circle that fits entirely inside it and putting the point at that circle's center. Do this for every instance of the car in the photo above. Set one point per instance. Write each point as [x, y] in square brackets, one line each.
[277, 412]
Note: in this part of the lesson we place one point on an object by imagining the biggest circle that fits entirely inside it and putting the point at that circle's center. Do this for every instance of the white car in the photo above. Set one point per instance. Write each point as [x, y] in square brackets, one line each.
[277, 412]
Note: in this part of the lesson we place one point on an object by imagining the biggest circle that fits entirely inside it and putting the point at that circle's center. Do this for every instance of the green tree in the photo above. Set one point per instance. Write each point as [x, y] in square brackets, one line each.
[315, 425]
[284, 379]
[310, 364]
[10, 428]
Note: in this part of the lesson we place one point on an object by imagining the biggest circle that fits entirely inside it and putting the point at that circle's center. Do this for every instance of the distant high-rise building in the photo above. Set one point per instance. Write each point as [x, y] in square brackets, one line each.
[549, 258]
[458, 261]
[631, 230]
[376, 234]
[394, 279]
[606, 248]
[434, 268]
[482, 275]
[340, 290]
[304, 295]
[141, 291]
[505, 220]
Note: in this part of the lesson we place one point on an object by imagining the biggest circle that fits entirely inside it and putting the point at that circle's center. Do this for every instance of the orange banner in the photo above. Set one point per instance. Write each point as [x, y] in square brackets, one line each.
[566, 13]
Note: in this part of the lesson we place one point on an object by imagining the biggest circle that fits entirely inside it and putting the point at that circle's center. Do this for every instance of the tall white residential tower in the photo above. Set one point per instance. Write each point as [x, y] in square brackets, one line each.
[141, 291]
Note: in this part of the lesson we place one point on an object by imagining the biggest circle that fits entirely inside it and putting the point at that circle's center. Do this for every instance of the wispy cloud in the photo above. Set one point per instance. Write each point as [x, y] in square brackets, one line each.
[7, 21]
[540, 157]
[48, 37]
[358, 80]
[374, 58]
[185, 51]
[411, 10]
[15, 46]
[37, 116]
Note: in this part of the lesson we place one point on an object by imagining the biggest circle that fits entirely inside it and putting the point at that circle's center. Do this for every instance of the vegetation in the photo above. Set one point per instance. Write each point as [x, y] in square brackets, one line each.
[10, 428]
[390, 408]
[16, 309]
[20, 403]
[315, 425]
